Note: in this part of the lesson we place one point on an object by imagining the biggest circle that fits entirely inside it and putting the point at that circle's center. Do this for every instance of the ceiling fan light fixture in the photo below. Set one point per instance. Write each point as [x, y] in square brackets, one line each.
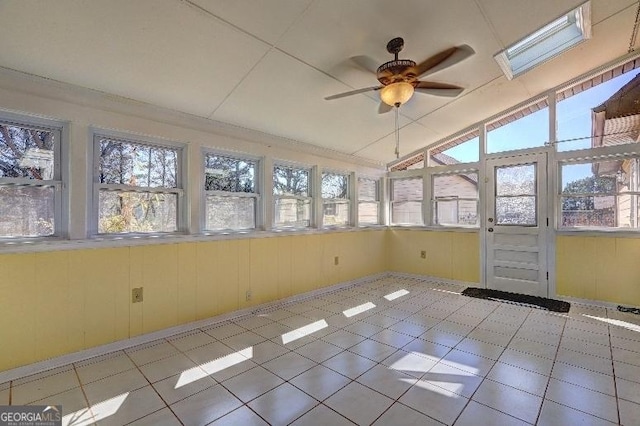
[396, 94]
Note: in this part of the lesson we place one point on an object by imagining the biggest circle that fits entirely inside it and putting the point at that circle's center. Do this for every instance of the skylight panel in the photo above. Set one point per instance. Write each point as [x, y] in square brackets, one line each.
[547, 42]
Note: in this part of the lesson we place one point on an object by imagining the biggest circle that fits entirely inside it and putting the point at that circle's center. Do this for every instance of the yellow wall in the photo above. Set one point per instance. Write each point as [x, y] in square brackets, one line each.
[599, 268]
[54, 303]
[450, 255]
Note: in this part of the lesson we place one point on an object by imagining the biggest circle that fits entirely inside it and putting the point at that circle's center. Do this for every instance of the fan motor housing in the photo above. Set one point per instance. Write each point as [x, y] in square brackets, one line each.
[396, 70]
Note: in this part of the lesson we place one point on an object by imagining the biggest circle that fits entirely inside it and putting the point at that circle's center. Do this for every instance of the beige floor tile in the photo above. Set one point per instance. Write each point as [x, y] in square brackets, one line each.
[442, 337]
[241, 416]
[349, 364]
[372, 350]
[319, 350]
[134, 405]
[365, 329]
[358, 403]
[187, 341]
[475, 414]
[91, 371]
[627, 371]
[534, 348]
[289, 365]
[145, 354]
[469, 362]
[270, 408]
[527, 361]
[252, 321]
[582, 399]
[110, 387]
[585, 378]
[343, 339]
[586, 361]
[320, 382]
[72, 401]
[163, 417]
[321, 415]
[586, 347]
[626, 356]
[627, 344]
[452, 379]
[167, 367]
[519, 404]
[206, 406]
[629, 413]
[401, 415]
[252, 383]
[518, 378]
[178, 387]
[628, 390]
[266, 351]
[243, 340]
[389, 382]
[228, 329]
[410, 363]
[486, 350]
[492, 337]
[4, 397]
[554, 414]
[37, 376]
[45, 387]
[435, 402]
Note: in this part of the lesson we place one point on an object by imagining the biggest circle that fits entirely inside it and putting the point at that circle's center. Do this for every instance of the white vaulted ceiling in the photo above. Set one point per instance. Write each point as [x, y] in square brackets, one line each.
[267, 65]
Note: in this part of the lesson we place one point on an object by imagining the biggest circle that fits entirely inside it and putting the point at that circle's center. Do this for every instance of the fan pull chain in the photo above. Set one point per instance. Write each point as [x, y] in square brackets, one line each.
[397, 131]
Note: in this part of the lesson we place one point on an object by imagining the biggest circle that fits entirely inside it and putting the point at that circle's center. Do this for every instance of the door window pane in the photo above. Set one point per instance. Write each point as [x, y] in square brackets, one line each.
[515, 195]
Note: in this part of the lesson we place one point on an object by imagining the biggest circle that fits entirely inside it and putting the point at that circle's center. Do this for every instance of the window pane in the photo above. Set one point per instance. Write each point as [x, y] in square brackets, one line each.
[368, 213]
[516, 180]
[291, 212]
[128, 163]
[516, 211]
[230, 212]
[601, 194]
[406, 212]
[367, 189]
[127, 211]
[532, 130]
[591, 178]
[290, 181]
[463, 185]
[452, 211]
[465, 152]
[26, 211]
[605, 109]
[229, 174]
[407, 189]
[335, 213]
[335, 186]
[590, 211]
[26, 153]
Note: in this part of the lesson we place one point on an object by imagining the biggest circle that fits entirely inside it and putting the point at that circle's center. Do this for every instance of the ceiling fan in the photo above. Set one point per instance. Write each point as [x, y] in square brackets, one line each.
[399, 78]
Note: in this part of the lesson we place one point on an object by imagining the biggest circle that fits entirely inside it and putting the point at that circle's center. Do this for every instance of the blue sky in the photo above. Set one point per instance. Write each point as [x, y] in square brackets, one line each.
[573, 121]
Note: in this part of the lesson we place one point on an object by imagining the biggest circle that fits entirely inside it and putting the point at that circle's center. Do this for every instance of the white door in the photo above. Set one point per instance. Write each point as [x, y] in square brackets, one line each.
[516, 224]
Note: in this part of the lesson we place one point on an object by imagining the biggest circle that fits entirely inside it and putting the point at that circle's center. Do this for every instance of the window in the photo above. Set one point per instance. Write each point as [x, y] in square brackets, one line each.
[599, 112]
[335, 199]
[138, 187]
[547, 42]
[603, 193]
[526, 128]
[406, 201]
[455, 199]
[292, 197]
[516, 197]
[368, 202]
[231, 194]
[464, 149]
[30, 180]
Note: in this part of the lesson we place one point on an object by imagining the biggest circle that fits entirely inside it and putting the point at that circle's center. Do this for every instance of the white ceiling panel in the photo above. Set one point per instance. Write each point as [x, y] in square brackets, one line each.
[158, 51]
[267, 65]
[284, 97]
[267, 23]
[412, 137]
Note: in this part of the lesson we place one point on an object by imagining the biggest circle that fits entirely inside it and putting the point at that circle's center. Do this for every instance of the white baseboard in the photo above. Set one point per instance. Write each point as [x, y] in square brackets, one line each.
[63, 360]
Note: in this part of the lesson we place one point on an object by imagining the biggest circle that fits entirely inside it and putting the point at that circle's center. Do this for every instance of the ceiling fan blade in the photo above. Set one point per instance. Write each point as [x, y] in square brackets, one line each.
[443, 60]
[366, 63]
[439, 89]
[384, 108]
[353, 92]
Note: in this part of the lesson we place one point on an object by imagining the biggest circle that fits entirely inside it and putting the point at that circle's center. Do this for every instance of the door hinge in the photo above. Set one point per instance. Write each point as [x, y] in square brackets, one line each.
[547, 276]
[547, 221]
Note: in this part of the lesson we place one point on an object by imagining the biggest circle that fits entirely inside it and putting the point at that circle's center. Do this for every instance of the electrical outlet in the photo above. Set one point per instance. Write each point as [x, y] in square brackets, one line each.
[136, 295]
[423, 254]
[248, 296]
[336, 260]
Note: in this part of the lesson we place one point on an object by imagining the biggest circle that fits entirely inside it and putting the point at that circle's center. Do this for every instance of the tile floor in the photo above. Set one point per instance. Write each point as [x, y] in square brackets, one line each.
[394, 351]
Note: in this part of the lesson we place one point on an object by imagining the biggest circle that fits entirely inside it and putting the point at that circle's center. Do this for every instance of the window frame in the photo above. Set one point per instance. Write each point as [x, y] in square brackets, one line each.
[60, 180]
[348, 200]
[256, 195]
[310, 194]
[181, 181]
[589, 156]
[408, 175]
[378, 201]
[452, 170]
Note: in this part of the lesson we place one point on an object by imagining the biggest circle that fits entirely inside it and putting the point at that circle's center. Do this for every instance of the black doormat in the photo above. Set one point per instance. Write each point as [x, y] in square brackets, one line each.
[517, 298]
